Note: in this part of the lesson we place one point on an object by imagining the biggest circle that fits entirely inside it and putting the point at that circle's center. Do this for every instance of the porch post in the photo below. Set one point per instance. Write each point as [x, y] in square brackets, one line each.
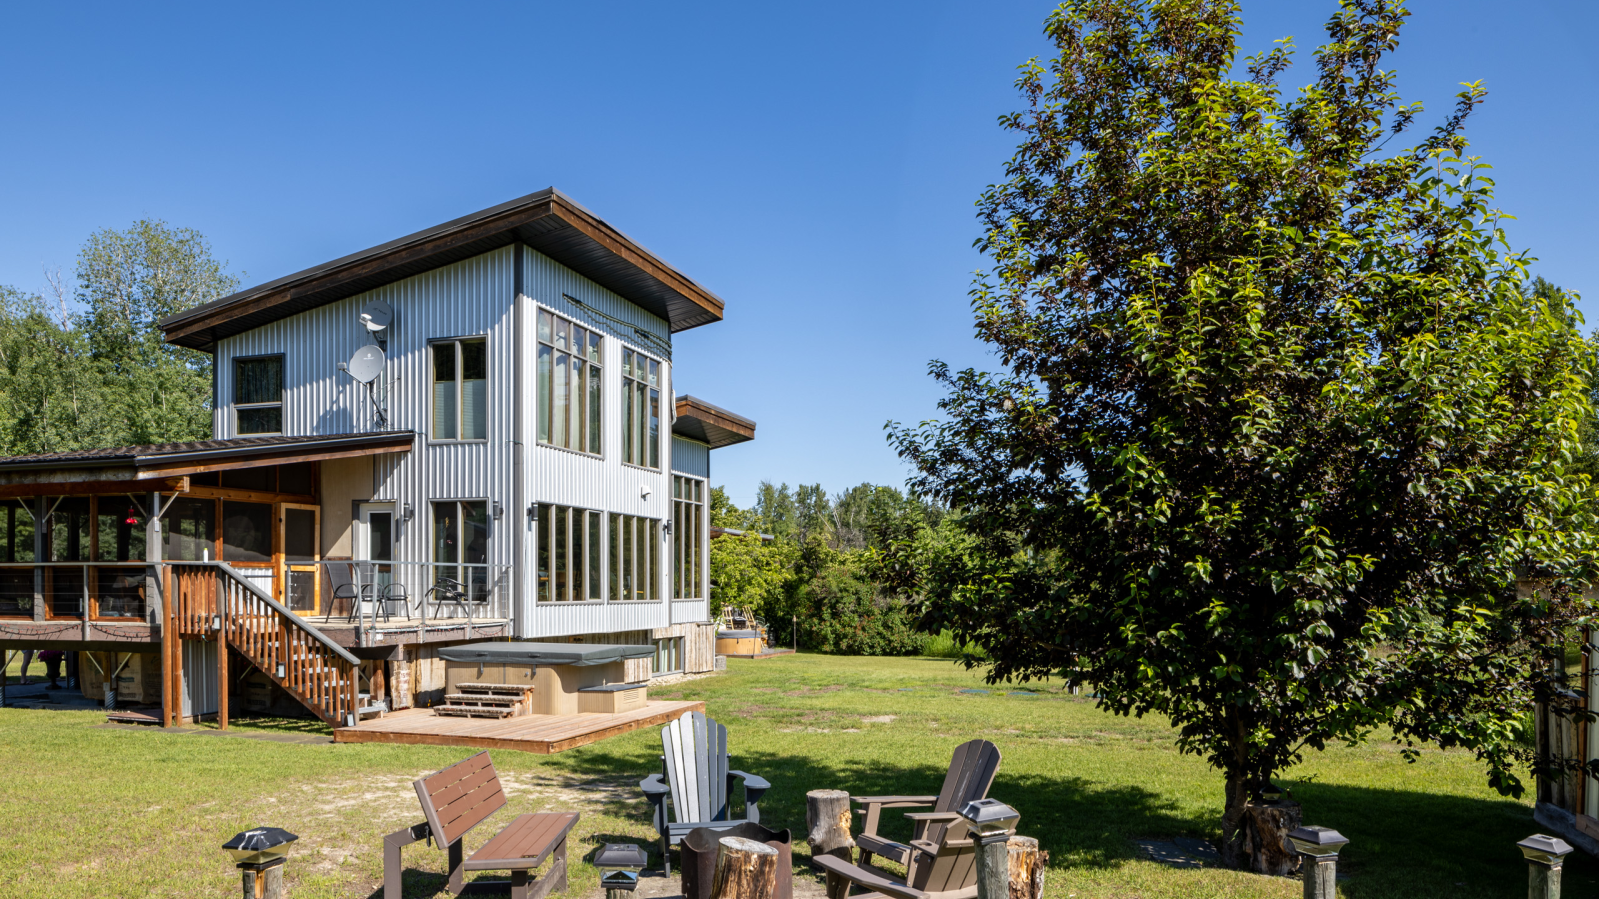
[39, 543]
[152, 554]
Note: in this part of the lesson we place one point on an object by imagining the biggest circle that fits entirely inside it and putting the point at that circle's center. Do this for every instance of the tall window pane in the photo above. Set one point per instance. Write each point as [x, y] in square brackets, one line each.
[545, 391]
[595, 573]
[444, 390]
[258, 395]
[546, 520]
[475, 548]
[474, 390]
[560, 527]
[568, 372]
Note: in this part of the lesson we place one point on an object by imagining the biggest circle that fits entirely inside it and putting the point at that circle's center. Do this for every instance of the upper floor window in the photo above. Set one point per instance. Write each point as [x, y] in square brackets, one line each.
[460, 389]
[641, 409]
[688, 520]
[569, 553]
[258, 394]
[569, 384]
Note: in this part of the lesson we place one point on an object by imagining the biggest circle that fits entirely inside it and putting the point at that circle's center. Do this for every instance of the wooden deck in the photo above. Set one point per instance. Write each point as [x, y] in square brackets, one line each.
[543, 734]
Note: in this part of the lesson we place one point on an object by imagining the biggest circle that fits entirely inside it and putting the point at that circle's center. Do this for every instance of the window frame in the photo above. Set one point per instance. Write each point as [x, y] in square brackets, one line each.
[460, 382]
[688, 536]
[662, 419]
[462, 571]
[581, 550]
[278, 404]
[544, 385]
[625, 550]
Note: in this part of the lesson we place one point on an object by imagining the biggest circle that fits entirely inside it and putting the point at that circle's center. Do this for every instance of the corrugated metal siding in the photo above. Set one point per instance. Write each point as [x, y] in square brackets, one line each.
[199, 678]
[592, 482]
[691, 457]
[467, 299]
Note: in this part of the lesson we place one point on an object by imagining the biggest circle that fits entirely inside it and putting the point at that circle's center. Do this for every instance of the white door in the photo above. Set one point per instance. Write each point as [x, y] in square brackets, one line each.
[374, 544]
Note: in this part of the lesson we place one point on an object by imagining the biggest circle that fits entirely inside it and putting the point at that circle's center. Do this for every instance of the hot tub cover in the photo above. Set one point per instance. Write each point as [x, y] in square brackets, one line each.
[527, 652]
[737, 635]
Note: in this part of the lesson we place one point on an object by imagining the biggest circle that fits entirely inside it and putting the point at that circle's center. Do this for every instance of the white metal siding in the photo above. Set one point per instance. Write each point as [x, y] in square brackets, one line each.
[691, 457]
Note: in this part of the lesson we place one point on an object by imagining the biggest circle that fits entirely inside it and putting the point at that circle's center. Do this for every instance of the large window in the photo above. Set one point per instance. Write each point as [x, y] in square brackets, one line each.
[635, 558]
[668, 656]
[16, 545]
[688, 518]
[570, 567]
[461, 544]
[641, 410]
[460, 390]
[569, 384]
[258, 394]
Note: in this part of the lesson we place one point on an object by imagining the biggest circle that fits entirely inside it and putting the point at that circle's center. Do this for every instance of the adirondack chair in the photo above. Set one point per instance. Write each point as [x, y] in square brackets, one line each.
[971, 773]
[944, 868]
[696, 778]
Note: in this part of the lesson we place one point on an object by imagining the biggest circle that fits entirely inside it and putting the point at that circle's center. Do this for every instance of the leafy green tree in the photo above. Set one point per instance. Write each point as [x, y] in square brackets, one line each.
[52, 395]
[750, 572]
[128, 281]
[1279, 427]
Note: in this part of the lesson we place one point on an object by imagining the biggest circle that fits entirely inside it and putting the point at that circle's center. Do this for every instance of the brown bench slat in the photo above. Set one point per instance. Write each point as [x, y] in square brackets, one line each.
[439, 779]
[525, 844]
[472, 817]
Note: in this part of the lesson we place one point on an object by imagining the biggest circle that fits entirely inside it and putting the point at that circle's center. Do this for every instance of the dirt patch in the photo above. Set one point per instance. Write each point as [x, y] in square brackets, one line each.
[879, 719]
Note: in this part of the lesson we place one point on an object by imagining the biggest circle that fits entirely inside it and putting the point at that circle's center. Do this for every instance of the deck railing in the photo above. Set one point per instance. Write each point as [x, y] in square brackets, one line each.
[212, 599]
[374, 595]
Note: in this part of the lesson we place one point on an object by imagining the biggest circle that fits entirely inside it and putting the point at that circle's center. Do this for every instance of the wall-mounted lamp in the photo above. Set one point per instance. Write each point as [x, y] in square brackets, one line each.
[407, 513]
[533, 513]
[667, 527]
[499, 510]
[644, 491]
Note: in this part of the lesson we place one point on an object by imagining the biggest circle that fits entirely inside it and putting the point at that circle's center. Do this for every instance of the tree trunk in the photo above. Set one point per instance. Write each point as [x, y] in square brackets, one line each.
[1027, 863]
[745, 869]
[1260, 839]
[827, 821]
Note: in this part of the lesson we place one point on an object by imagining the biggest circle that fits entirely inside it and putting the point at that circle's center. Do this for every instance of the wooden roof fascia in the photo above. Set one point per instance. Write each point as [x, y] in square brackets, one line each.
[91, 488]
[714, 426]
[518, 220]
[158, 470]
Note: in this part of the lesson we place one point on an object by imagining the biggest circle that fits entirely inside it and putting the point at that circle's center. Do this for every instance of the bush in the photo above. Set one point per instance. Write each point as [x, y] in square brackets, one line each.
[942, 645]
[845, 614]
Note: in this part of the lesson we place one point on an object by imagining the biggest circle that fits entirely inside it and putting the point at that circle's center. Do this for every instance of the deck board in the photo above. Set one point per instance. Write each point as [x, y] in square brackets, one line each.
[542, 734]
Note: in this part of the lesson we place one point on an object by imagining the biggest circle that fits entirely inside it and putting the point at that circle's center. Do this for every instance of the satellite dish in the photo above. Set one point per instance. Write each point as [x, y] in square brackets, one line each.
[367, 364]
[376, 315]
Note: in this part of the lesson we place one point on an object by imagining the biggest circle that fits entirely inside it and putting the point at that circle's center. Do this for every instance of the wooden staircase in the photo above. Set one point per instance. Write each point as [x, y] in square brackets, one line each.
[486, 701]
[210, 601]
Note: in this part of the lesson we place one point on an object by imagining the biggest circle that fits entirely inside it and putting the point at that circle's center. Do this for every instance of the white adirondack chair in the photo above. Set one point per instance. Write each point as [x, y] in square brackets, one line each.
[696, 778]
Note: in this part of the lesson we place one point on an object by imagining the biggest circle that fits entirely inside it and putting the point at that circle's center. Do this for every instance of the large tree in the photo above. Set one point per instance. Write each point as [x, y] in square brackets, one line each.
[1280, 429]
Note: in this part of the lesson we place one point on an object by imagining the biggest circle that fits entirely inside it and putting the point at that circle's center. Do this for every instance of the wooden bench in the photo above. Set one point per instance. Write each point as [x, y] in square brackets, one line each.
[460, 798]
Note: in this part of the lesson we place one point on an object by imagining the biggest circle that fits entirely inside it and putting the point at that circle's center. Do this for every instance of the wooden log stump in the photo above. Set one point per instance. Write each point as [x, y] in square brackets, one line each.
[1027, 863]
[1265, 828]
[745, 869]
[827, 823]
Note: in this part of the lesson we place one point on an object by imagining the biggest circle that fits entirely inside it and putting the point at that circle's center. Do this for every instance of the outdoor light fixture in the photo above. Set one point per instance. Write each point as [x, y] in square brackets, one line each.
[406, 513]
[281, 672]
[533, 513]
[620, 864]
[1317, 842]
[1271, 792]
[499, 510]
[644, 491]
[1541, 849]
[667, 528]
[260, 854]
[990, 819]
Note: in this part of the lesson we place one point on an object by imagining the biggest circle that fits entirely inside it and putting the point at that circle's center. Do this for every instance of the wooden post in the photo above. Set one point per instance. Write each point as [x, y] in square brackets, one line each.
[222, 674]
[264, 883]
[745, 869]
[993, 867]
[1026, 866]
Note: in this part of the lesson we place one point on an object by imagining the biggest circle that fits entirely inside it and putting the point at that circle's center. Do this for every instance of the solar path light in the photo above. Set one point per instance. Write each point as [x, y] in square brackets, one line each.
[1318, 846]
[1544, 855]
[260, 854]
[620, 864]
[991, 822]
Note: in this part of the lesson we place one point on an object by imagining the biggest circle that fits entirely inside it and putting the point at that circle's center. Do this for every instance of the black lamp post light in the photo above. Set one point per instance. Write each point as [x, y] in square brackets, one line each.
[260, 854]
[620, 864]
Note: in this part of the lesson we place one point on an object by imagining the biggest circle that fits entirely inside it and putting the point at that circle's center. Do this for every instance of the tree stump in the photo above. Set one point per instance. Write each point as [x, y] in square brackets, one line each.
[1264, 837]
[1027, 863]
[745, 869]
[827, 821]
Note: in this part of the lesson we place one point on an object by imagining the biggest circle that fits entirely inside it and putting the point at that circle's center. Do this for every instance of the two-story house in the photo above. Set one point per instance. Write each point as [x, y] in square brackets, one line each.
[469, 433]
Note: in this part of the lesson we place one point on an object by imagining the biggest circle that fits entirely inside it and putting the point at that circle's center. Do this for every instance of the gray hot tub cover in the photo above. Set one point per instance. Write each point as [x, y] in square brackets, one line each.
[527, 652]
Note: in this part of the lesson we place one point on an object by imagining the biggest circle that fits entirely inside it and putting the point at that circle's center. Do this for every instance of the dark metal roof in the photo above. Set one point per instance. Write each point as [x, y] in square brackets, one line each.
[712, 425]
[547, 221]
[167, 453]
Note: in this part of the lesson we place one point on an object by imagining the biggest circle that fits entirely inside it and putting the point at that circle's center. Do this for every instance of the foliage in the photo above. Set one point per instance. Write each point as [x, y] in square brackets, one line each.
[102, 375]
[749, 572]
[1280, 426]
[847, 614]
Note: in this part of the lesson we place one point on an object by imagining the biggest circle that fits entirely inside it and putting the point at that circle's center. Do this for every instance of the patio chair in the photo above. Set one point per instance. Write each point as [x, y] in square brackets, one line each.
[696, 778]
[341, 576]
[446, 591]
[971, 773]
[940, 868]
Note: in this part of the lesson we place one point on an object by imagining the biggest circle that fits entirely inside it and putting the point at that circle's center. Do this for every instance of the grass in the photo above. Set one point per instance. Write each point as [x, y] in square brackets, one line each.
[96, 811]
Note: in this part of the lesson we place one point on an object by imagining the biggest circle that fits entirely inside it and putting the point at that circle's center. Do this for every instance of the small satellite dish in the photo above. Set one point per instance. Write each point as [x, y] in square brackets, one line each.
[367, 364]
[376, 315]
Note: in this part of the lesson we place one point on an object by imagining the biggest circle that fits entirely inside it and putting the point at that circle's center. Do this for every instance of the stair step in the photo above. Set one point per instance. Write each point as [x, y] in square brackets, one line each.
[457, 711]
[482, 699]
[509, 689]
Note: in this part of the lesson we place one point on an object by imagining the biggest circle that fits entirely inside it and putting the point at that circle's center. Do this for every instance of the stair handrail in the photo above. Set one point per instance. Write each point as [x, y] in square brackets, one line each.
[281, 609]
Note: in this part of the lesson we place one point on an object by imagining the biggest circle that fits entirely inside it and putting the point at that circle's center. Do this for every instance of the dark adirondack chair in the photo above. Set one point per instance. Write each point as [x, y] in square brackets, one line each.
[695, 777]
[971, 773]
[942, 868]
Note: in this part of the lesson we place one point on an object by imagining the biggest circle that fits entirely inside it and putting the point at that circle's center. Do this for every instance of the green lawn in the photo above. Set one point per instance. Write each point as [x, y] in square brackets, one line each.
[90, 811]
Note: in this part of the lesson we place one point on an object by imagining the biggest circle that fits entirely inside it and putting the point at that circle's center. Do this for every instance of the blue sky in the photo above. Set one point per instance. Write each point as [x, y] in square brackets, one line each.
[814, 164]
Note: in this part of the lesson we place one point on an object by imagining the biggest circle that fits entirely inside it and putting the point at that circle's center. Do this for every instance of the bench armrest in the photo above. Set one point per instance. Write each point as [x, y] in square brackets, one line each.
[654, 787]
[751, 781]
[894, 801]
